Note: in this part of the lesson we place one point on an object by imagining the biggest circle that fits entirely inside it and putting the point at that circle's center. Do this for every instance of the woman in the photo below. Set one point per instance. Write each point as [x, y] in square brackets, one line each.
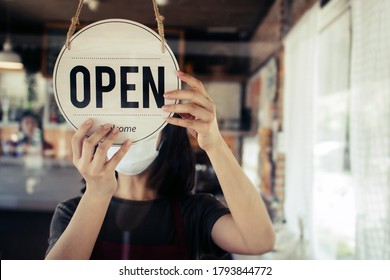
[151, 214]
[30, 137]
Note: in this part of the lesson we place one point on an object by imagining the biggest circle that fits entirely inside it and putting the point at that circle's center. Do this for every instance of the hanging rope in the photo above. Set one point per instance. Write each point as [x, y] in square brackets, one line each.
[75, 21]
[160, 25]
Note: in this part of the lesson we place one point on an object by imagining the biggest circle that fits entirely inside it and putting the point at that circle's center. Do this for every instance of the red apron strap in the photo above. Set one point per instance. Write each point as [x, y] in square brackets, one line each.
[180, 229]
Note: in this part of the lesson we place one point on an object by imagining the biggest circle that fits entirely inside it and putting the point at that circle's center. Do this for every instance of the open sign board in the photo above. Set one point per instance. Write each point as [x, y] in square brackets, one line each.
[116, 72]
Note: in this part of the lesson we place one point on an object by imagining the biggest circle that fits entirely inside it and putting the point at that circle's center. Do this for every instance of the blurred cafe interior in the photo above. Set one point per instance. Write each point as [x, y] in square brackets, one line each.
[307, 122]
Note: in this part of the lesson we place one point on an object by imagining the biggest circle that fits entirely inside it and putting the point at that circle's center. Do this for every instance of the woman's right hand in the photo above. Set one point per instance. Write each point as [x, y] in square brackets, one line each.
[96, 169]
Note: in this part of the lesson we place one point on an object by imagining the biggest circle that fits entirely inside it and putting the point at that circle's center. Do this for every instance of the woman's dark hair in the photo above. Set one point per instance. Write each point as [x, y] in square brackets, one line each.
[31, 114]
[172, 173]
[36, 118]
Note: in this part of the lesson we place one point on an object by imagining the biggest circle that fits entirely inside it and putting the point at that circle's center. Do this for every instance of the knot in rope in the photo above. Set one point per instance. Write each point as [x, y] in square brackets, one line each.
[75, 21]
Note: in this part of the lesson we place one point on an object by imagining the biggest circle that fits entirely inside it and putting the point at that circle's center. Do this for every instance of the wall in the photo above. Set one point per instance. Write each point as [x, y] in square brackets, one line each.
[266, 41]
[266, 44]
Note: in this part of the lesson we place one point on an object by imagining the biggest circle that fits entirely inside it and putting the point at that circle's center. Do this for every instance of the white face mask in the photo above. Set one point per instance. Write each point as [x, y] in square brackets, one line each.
[138, 158]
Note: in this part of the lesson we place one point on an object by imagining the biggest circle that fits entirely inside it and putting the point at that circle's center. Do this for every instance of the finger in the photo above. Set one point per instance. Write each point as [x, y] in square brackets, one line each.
[101, 151]
[191, 95]
[193, 133]
[90, 142]
[118, 156]
[78, 138]
[187, 116]
[194, 83]
[191, 124]
[190, 108]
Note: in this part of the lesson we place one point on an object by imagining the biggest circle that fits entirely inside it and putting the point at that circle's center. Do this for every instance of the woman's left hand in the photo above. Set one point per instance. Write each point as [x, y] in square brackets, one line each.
[198, 115]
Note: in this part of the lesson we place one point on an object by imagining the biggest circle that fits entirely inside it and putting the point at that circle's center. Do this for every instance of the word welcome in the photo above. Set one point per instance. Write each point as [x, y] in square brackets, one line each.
[126, 128]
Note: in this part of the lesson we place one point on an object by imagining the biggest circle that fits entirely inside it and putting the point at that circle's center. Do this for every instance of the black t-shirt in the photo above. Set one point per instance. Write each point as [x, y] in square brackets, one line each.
[149, 223]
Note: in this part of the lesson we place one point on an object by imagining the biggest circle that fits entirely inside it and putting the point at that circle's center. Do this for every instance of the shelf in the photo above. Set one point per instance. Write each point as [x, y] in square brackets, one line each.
[238, 133]
[221, 78]
[64, 126]
[9, 124]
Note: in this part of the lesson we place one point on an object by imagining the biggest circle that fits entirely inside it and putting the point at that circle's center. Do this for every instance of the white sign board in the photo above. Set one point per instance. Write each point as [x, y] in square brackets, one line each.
[116, 72]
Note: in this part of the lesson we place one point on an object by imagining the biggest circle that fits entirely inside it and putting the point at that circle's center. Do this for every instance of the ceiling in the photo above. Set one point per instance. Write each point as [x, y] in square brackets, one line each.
[210, 22]
[200, 19]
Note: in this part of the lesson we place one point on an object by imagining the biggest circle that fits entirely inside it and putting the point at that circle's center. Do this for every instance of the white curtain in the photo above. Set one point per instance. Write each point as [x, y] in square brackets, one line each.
[333, 192]
[370, 126]
[299, 90]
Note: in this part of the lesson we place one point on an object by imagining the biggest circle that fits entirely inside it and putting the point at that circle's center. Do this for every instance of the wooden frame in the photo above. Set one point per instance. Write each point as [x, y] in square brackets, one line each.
[53, 40]
[178, 48]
